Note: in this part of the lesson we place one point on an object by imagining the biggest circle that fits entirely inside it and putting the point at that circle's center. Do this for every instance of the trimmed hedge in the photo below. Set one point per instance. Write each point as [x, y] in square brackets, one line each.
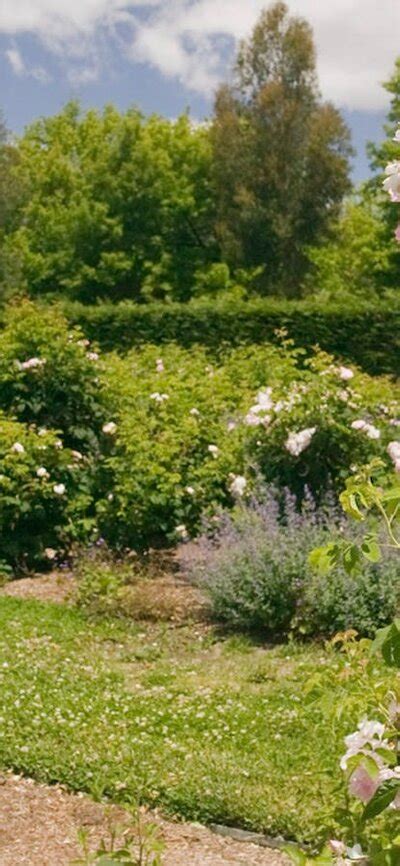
[368, 335]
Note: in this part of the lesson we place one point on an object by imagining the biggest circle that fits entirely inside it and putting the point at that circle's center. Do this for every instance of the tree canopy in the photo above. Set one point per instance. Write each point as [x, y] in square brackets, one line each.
[281, 155]
[116, 205]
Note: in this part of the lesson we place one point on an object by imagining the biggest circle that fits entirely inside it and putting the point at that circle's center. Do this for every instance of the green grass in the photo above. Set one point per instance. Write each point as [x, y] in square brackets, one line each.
[212, 729]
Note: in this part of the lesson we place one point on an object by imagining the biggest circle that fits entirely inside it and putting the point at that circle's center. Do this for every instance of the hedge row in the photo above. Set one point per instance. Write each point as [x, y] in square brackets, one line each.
[366, 335]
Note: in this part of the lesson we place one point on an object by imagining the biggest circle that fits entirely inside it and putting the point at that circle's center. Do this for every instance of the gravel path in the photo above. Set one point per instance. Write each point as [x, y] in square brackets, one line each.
[39, 826]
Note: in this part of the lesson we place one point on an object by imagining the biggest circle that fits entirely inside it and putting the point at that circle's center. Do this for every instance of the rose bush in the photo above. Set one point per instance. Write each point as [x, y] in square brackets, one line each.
[44, 496]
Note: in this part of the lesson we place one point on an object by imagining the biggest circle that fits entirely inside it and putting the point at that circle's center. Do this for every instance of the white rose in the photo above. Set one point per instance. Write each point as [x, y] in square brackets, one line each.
[296, 443]
[346, 373]
[17, 448]
[110, 428]
[214, 450]
[59, 489]
[42, 472]
[238, 485]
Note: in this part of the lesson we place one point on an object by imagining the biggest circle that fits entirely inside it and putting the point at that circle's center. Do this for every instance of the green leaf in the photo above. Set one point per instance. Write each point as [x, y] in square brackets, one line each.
[371, 549]
[388, 642]
[383, 797]
[351, 558]
[297, 856]
[324, 559]
[350, 505]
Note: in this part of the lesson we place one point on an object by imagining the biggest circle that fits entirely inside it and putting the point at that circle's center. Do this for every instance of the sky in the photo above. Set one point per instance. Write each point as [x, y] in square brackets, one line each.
[168, 56]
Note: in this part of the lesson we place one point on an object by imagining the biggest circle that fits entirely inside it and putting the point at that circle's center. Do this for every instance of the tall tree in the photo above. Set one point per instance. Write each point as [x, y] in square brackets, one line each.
[380, 155]
[281, 156]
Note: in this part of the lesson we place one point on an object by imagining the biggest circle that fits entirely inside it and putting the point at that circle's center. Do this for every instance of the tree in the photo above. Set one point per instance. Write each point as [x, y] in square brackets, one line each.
[380, 155]
[281, 156]
[353, 264]
[118, 205]
[11, 194]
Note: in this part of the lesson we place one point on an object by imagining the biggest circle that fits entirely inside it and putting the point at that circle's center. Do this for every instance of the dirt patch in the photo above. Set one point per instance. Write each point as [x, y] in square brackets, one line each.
[162, 598]
[39, 826]
[55, 587]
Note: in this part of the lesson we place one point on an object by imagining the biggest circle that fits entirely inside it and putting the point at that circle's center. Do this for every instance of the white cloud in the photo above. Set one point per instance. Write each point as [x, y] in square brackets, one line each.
[20, 68]
[16, 62]
[357, 40]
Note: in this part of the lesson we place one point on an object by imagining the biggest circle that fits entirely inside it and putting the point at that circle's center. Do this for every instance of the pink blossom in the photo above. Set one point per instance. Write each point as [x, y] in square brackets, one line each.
[346, 373]
[362, 785]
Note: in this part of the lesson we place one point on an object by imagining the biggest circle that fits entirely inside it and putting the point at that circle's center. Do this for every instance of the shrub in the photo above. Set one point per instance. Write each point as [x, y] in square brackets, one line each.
[178, 438]
[44, 496]
[49, 376]
[318, 421]
[364, 601]
[101, 579]
[159, 471]
[365, 334]
[254, 567]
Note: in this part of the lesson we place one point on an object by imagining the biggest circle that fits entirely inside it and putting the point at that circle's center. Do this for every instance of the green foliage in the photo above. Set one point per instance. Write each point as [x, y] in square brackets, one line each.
[141, 847]
[255, 569]
[380, 155]
[48, 375]
[159, 471]
[209, 728]
[355, 261]
[280, 155]
[367, 334]
[115, 205]
[44, 496]
[363, 601]
[161, 474]
[100, 580]
[160, 439]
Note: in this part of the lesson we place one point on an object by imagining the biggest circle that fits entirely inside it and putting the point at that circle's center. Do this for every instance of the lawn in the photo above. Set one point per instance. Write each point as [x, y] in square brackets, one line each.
[210, 727]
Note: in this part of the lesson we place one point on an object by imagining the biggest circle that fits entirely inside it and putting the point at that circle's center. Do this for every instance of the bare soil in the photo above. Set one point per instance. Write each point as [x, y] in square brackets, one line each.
[39, 826]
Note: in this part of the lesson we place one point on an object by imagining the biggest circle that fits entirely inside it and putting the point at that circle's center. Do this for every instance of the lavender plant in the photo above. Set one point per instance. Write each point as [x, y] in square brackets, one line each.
[253, 563]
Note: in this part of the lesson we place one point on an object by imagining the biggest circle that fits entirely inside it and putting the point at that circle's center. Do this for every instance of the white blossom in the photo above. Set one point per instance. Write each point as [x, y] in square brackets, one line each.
[345, 373]
[159, 398]
[182, 531]
[231, 425]
[190, 490]
[59, 489]
[264, 399]
[391, 184]
[214, 450]
[298, 442]
[369, 733]
[393, 450]
[367, 428]
[252, 420]
[160, 365]
[110, 428]
[77, 455]
[372, 432]
[194, 412]
[32, 363]
[396, 136]
[42, 472]
[92, 356]
[50, 553]
[238, 485]
[42, 431]
[17, 448]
